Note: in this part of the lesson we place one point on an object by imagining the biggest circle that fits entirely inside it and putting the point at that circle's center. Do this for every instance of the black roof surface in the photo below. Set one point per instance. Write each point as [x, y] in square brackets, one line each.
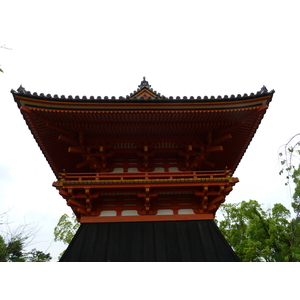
[163, 241]
[132, 96]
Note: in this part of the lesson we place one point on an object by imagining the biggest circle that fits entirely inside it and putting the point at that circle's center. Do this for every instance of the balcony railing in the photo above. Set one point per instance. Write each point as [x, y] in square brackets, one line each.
[145, 175]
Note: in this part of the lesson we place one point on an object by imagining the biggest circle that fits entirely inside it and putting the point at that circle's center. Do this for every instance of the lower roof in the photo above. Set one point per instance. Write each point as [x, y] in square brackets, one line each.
[180, 241]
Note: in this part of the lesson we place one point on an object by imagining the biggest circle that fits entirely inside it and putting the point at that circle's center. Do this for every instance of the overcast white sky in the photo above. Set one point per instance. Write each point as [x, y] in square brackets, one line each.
[104, 48]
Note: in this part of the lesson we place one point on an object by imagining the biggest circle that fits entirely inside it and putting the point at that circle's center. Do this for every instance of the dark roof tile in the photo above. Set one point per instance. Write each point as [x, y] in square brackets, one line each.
[144, 85]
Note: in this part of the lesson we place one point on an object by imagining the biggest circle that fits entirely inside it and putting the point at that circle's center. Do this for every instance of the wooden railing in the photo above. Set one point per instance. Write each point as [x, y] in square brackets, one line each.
[145, 175]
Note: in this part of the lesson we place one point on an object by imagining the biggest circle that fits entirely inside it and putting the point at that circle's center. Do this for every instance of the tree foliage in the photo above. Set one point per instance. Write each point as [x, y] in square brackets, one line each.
[38, 256]
[290, 167]
[14, 251]
[13, 244]
[65, 229]
[257, 235]
[288, 158]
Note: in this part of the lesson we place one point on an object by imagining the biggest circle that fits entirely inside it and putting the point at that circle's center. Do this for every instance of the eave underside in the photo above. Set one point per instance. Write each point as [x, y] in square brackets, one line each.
[57, 130]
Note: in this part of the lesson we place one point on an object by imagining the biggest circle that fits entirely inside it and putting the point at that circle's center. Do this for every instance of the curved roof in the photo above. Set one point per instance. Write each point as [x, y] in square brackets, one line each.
[153, 96]
[58, 123]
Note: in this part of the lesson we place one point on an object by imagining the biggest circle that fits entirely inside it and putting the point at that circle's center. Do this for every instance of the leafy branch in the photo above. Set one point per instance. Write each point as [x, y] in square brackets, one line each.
[287, 157]
[291, 151]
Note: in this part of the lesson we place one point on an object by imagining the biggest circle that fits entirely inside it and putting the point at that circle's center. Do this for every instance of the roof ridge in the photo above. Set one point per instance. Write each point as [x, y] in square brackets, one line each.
[144, 85]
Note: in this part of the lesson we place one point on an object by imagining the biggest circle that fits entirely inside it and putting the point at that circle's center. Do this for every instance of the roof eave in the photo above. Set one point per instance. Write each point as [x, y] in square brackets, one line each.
[133, 99]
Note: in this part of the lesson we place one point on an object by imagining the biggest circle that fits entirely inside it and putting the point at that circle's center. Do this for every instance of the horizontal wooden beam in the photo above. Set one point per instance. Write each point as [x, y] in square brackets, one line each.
[214, 148]
[222, 139]
[141, 183]
[146, 218]
[67, 139]
[76, 150]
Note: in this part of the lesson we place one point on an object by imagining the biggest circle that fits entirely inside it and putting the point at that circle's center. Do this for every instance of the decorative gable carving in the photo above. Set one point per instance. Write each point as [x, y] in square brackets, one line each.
[145, 91]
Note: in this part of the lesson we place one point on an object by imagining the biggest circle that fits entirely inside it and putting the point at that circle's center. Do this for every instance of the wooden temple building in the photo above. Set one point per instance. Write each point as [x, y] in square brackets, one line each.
[144, 174]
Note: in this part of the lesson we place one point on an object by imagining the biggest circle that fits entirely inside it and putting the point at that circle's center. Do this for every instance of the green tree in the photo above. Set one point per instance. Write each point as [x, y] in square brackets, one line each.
[3, 252]
[14, 251]
[289, 160]
[271, 235]
[65, 229]
[256, 234]
[13, 244]
[38, 256]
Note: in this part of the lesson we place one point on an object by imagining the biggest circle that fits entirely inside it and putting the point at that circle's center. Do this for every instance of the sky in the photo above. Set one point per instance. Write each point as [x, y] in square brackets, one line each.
[104, 48]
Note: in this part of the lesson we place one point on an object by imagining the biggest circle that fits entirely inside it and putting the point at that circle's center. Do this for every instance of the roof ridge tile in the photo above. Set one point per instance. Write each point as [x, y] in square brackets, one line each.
[145, 85]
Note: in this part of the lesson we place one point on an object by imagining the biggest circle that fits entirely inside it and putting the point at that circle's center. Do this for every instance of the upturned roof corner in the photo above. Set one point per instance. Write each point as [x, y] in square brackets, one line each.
[144, 93]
